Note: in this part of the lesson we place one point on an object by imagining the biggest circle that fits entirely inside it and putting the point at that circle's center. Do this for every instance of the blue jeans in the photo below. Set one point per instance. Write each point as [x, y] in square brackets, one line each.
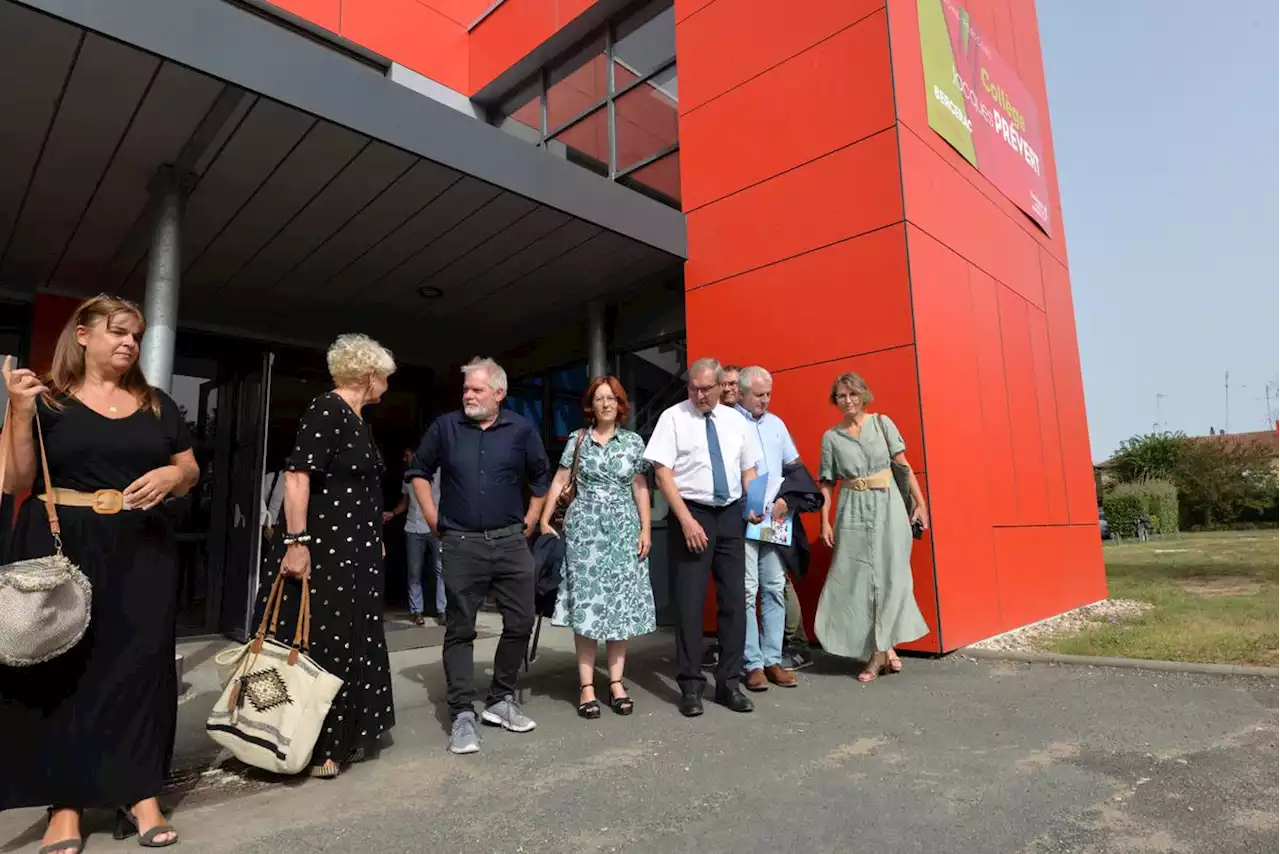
[417, 547]
[767, 576]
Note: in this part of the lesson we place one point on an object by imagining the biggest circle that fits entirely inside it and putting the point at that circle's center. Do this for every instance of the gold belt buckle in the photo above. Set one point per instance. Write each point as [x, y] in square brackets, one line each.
[108, 502]
[859, 484]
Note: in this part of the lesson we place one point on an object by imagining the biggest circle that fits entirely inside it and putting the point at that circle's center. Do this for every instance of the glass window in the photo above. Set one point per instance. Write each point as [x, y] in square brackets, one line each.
[647, 119]
[585, 143]
[522, 115]
[659, 179]
[643, 42]
[577, 84]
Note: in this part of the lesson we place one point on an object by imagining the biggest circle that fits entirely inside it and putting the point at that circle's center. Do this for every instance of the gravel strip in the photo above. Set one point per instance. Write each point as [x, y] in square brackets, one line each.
[1029, 638]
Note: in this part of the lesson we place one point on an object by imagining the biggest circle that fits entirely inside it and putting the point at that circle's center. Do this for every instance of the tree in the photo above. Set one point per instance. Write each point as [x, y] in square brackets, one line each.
[1150, 457]
[1222, 477]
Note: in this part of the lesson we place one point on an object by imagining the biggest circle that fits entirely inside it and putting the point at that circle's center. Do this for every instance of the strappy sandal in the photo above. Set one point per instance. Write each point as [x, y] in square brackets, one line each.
[895, 665]
[75, 846]
[590, 710]
[621, 705]
[873, 671]
[127, 825]
[327, 771]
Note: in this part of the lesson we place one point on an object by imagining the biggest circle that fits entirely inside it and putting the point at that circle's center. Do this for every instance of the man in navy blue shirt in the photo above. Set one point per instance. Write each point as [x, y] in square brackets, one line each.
[486, 457]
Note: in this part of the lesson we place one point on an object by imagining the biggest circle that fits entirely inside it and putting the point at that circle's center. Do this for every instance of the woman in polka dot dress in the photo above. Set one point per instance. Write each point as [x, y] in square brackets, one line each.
[332, 540]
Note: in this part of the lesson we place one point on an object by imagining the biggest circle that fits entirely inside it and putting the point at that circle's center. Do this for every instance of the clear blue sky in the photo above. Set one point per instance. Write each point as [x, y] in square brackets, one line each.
[1165, 129]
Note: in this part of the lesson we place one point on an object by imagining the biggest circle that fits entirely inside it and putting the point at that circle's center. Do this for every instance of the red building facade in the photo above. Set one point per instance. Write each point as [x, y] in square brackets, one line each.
[830, 229]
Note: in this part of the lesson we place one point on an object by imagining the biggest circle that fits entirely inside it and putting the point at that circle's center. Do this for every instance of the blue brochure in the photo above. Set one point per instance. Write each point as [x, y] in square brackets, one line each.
[770, 530]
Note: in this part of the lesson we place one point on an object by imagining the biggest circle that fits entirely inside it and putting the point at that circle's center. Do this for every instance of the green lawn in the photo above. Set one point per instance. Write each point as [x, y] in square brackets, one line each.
[1215, 598]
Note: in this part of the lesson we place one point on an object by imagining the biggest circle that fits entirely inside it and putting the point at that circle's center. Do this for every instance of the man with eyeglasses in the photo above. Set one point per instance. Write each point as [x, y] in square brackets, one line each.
[729, 395]
[704, 456]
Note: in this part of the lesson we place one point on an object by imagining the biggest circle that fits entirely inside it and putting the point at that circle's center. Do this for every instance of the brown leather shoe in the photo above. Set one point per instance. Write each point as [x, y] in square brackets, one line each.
[756, 681]
[781, 678]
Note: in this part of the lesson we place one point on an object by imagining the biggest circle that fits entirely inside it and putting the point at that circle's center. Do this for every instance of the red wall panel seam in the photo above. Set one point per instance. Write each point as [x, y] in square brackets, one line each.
[785, 60]
[1043, 525]
[982, 413]
[975, 264]
[729, 278]
[1022, 221]
[1031, 346]
[1008, 407]
[906, 237]
[1052, 379]
[790, 169]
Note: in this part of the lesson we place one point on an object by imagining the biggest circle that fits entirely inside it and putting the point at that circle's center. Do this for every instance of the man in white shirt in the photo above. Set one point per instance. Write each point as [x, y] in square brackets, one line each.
[705, 455]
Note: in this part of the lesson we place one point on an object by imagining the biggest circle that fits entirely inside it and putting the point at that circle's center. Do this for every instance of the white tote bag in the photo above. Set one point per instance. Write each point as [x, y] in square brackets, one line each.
[275, 697]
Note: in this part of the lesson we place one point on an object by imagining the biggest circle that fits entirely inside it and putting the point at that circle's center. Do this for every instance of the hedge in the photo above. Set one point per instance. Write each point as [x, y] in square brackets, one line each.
[1126, 503]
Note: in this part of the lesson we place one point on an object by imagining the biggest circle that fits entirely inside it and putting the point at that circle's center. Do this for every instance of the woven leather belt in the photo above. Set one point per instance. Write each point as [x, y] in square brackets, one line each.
[104, 502]
[879, 480]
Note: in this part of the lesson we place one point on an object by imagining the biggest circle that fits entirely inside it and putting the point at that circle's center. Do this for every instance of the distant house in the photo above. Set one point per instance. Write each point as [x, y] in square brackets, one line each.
[1269, 438]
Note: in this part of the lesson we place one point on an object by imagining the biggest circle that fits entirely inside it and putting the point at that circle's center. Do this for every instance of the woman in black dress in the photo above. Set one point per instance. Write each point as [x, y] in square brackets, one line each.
[95, 726]
[332, 540]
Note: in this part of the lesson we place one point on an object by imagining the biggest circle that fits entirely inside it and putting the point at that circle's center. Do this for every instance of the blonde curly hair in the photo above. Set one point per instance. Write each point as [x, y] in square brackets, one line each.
[354, 357]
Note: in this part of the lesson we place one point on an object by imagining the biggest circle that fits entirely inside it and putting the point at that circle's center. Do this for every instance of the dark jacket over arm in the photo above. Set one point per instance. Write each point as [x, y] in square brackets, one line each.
[802, 495]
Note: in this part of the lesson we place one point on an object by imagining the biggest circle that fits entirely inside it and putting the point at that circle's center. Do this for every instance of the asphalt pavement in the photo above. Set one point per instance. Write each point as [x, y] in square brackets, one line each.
[953, 755]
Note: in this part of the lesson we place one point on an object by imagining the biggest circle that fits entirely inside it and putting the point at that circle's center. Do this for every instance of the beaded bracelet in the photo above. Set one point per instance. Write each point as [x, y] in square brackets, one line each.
[299, 539]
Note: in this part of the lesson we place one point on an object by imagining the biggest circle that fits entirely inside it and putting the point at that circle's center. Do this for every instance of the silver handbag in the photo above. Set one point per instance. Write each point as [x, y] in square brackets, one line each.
[45, 601]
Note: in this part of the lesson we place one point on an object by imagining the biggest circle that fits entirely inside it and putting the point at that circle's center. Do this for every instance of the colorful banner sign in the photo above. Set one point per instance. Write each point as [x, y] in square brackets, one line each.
[979, 106]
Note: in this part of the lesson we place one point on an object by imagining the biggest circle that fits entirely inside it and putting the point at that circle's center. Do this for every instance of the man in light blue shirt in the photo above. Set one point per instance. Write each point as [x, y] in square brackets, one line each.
[766, 573]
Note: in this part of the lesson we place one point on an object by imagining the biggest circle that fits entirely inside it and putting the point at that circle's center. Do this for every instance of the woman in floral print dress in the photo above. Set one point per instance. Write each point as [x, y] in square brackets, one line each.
[605, 593]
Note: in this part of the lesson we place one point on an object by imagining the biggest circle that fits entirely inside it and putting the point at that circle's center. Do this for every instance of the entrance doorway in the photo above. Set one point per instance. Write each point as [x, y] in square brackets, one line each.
[242, 402]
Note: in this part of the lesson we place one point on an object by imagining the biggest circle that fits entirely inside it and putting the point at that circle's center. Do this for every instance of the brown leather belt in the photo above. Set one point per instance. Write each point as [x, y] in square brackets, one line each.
[879, 480]
[104, 502]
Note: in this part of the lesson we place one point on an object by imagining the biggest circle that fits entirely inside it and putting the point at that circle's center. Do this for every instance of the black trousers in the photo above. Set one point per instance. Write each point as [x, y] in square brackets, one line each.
[473, 565]
[724, 559]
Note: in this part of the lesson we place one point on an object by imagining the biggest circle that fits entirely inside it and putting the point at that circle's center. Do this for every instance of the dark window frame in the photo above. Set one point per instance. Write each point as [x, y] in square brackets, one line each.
[539, 84]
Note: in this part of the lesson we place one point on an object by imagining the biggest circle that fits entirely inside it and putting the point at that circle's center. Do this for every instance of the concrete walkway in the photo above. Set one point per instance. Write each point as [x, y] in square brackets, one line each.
[951, 756]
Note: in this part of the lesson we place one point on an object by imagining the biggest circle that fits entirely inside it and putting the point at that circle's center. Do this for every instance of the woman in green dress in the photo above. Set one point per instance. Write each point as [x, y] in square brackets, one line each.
[605, 593]
[867, 605]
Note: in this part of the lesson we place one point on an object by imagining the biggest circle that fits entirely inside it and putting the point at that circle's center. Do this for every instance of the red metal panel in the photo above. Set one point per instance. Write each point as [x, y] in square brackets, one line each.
[746, 306]
[508, 35]
[723, 143]
[954, 440]
[992, 392]
[941, 200]
[1054, 482]
[412, 34]
[1045, 571]
[850, 192]
[1073, 426]
[732, 41]
[464, 12]
[1024, 417]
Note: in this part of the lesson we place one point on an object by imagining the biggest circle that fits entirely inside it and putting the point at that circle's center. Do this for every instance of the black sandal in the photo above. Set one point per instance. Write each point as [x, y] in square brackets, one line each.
[589, 710]
[623, 705]
[127, 825]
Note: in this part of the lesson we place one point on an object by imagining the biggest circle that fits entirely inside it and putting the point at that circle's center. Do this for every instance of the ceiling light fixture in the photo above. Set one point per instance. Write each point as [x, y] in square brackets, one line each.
[430, 292]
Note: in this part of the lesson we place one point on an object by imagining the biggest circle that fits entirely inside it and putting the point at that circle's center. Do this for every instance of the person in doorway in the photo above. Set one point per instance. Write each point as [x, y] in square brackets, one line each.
[422, 548]
[728, 397]
[95, 726]
[272, 501]
[605, 593]
[333, 543]
[705, 457]
[867, 606]
[766, 574]
[485, 456]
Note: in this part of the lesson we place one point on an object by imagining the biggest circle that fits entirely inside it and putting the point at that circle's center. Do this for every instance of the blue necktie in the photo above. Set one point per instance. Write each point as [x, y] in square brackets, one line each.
[719, 482]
